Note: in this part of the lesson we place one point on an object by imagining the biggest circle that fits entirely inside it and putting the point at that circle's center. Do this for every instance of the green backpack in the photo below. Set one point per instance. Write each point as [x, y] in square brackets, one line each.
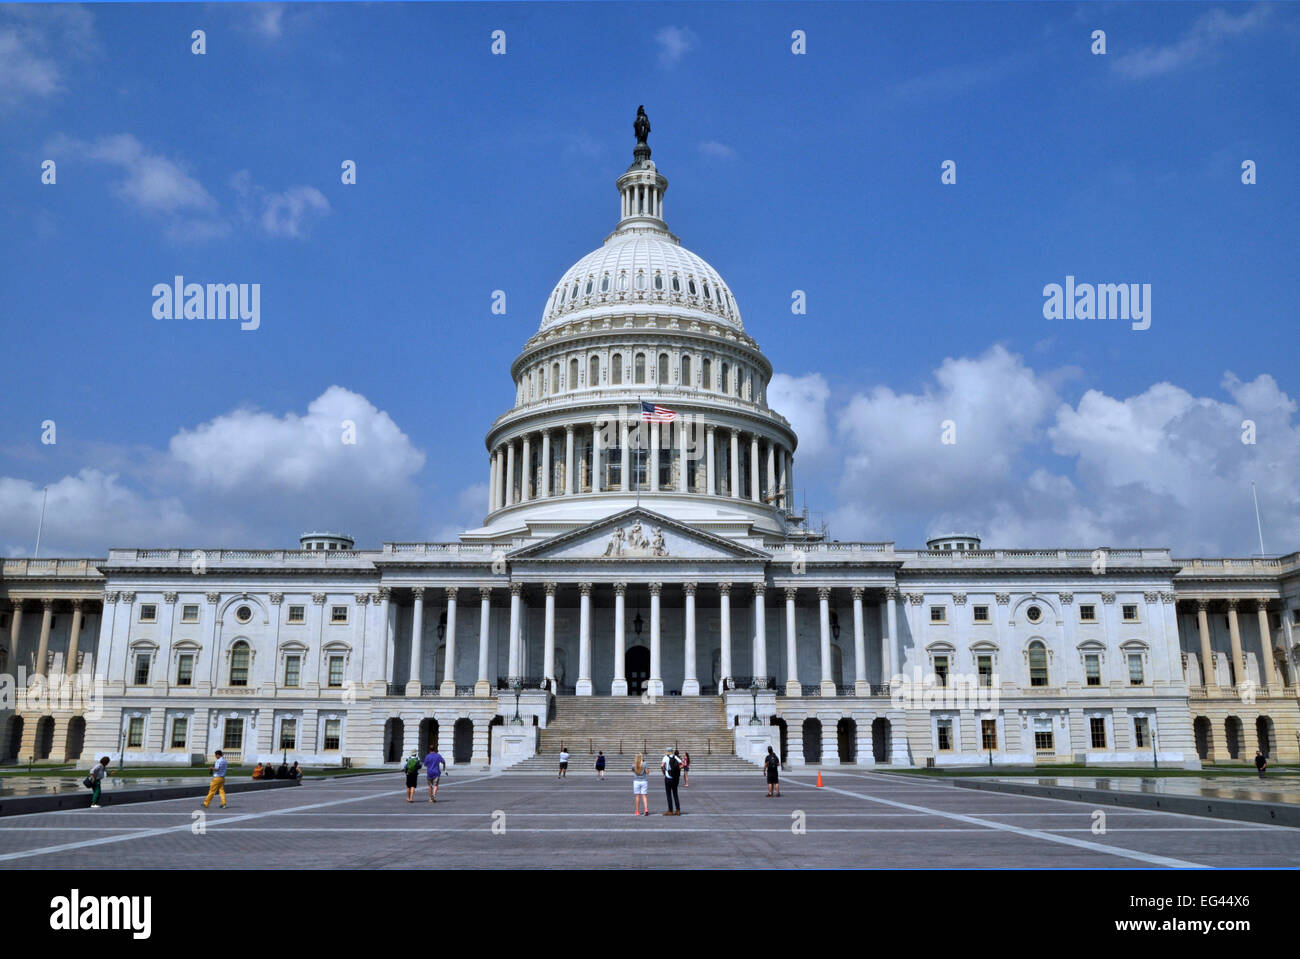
[412, 764]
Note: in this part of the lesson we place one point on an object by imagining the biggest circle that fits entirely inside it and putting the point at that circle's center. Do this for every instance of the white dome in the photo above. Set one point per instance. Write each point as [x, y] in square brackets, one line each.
[622, 275]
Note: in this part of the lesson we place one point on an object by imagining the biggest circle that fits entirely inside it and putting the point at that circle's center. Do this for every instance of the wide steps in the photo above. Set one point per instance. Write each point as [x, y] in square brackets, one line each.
[620, 767]
[627, 725]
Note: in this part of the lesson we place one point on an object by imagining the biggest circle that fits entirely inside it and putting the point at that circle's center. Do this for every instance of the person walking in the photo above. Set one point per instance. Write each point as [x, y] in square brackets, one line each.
[1260, 763]
[686, 769]
[96, 779]
[564, 763]
[600, 766]
[412, 770]
[672, 767]
[772, 767]
[434, 766]
[640, 786]
[218, 783]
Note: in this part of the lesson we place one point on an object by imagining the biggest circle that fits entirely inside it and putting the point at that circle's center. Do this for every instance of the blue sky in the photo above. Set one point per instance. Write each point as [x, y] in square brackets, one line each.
[818, 172]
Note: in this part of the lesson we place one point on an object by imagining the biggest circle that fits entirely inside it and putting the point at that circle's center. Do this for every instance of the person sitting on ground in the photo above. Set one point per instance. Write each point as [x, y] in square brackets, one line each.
[296, 772]
[282, 772]
[258, 771]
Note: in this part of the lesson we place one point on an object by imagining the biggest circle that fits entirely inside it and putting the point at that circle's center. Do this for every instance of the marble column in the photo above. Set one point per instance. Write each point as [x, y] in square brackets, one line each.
[683, 464]
[74, 642]
[887, 642]
[619, 685]
[655, 686]
[824, 616]
[546, 462]
[385, 595]
[597, 471]
[584, 640]
[510, 473]
[1266, 643]
[753, 468]
[783, 484]
[492, 482]
[1208, 678]
[735, 465]
[548, 643]
[690, 684]
[1234, 637]
[15, 632]
[654, 457]
[449, 660]
[760, 632]
[625, 458]
[861, 686]
[710, 470]
[42, 651]
[417, 636]
[792, 686]
[516, 602]
[724, 628]
[569, 487]
[526, 469]
[483, 686]
[771, 471]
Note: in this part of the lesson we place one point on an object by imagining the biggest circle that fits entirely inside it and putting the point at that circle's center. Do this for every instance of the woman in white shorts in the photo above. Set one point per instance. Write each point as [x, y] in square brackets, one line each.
[640, 787]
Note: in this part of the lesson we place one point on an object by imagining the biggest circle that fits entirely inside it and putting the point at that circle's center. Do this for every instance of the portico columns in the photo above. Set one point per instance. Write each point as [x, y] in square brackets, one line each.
[735, 465]
[516, 597]
[597, 472]
[760, 632]
[753, 467]
[792, 685]
[510, 473]
[824, 614]
[548, 647]
[492, 481]
[625, 464]
[861, 686]
[887, 642]
[1208, 678]
[710, 471]
[568, 461]
[483, 687]
[15, 631]
[619, 686]
[1266, 642]
[771, 471]
[690, 685]
[655, 686]
[385, 596]
[724, 627]
[449, 656]
[1234, 636]
[683, 464]
[546, 462]
[654, 457]
[43, 651]
[417, 633]
[70, 661]
[584, 640]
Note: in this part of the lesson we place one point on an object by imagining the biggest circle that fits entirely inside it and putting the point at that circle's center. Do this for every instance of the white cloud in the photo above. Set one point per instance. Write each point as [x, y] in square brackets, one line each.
[153, 183]
[36, 41]
[267, 19]
[1201, 41]
[289, 213]
[802, 401]
[719, 151]
[674, 43]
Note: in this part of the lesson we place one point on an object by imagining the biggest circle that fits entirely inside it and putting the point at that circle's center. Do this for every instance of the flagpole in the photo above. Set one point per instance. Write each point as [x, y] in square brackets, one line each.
[45, 492]
[1258, 527]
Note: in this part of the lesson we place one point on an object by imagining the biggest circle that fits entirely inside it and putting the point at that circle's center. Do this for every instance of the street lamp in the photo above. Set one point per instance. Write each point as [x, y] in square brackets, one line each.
[753, 691]
[516, 684]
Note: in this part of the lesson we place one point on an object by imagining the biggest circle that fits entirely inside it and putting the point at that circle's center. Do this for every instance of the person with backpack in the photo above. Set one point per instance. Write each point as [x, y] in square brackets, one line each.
[672, 767]
[412, 770]
[96, 780]
[600, 766]
[772, 767]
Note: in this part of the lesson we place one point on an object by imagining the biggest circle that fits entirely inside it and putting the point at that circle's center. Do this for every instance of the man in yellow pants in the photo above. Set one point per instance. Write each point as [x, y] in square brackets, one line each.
[218, 784]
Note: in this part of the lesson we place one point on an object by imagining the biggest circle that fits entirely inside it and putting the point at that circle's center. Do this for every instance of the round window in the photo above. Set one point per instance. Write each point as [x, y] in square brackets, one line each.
[1033, 614]
[243, 614]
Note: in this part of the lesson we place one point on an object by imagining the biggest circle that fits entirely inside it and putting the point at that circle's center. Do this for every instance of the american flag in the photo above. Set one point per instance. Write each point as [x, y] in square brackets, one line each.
[653, 413]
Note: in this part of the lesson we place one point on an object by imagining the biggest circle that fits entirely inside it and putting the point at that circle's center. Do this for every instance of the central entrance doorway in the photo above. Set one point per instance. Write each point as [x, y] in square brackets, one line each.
[636, 667]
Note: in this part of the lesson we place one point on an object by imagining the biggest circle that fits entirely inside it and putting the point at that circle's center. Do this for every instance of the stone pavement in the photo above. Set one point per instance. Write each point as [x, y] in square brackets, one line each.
[503, 820]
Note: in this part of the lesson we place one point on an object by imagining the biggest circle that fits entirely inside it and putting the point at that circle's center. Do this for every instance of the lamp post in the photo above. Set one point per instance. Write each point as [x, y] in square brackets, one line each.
[516, 684]
[1155, 756]
[753, 691]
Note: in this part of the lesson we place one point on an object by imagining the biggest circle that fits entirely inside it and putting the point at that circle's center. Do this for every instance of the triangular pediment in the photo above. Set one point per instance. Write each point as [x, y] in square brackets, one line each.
[637, 534]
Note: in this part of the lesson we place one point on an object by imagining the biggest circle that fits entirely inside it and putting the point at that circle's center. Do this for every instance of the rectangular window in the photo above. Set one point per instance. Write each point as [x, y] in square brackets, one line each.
[941, 670]
[142, 669]
[338, 614]
[148, 612]
[297, 614]
[1140, 732]
[988, 734]
[1097, 725]
[1130, 612]
[180, 730]
[288, 734]
[1043, 742]
[336, 671]
[937, 614]
[190, 613]
[234, 738]
[945, 734]
[1295, 616]
[1087, 613]
[135, 732]
[1092, 668]
[185, 670]
[292, 670]
[1135, 669]
[985, 666]
[333, 729]
[981, 614]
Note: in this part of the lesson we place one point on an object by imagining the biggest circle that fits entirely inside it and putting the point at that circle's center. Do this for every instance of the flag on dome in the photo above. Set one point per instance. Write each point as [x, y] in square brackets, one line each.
[654, 413]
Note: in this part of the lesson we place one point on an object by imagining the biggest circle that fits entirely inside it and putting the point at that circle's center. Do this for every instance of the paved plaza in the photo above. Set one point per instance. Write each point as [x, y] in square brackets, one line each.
[521, 820]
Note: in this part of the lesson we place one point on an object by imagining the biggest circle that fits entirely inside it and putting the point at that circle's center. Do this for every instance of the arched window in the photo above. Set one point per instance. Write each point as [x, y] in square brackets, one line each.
[663, 368]
[740, 387]
[691, 286]
[659, 281]
[573, 373]
[532, 385]
[555, 377]
[573, 294]
[604, 283]
[686, 370]
[639, 369]
[593, 372]
[707, 295]
[640, 280]
[587, 292]
[706, 380]
[677, 284]
[724, 385]
[239, 664]
[1037, 664]
[559, 297]
[622, 281]
[617, 375]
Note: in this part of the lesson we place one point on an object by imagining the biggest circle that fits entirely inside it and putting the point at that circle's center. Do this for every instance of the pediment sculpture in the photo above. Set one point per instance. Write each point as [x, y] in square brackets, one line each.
[633, 542]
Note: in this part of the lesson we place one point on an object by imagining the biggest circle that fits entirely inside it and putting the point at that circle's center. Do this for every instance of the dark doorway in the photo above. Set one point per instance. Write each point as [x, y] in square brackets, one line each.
[880, 740]
[15, 737]
[812, 741]
[1204, 731]
[428, 735]
[462, 741]
[76, 738]
[1232, 731]
[44, 737]
[496, 721]
[636, 666]
[394, 735]
[846, 732]
[782, 725]
[1263, 732]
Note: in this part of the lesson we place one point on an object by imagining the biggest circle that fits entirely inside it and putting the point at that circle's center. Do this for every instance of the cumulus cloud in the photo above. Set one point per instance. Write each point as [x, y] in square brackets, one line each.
[802, 400]
[1204, 38]
[674, 43]
[36, 42]
[288, 213]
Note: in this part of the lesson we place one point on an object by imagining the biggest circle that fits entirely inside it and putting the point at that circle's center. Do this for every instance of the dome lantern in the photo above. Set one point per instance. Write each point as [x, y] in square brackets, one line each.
[642, 188]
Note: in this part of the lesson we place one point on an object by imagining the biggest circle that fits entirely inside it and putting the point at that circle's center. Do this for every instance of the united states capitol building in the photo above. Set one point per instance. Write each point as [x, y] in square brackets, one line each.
[654, 562]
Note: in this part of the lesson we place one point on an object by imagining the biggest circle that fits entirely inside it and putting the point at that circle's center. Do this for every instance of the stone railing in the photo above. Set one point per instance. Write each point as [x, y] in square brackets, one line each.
[627, 396]
[342, 557]
[51, 567]
[438, 549]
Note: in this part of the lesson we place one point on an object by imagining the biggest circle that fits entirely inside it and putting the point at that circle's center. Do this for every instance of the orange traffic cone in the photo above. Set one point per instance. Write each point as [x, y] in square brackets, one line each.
[819, 779]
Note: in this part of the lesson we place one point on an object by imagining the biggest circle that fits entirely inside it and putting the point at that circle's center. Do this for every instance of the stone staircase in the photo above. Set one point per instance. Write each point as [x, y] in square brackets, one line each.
[621, 727]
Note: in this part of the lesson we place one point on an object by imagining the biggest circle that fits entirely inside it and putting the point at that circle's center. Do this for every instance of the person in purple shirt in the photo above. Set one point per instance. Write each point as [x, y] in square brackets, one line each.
[434, 766]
